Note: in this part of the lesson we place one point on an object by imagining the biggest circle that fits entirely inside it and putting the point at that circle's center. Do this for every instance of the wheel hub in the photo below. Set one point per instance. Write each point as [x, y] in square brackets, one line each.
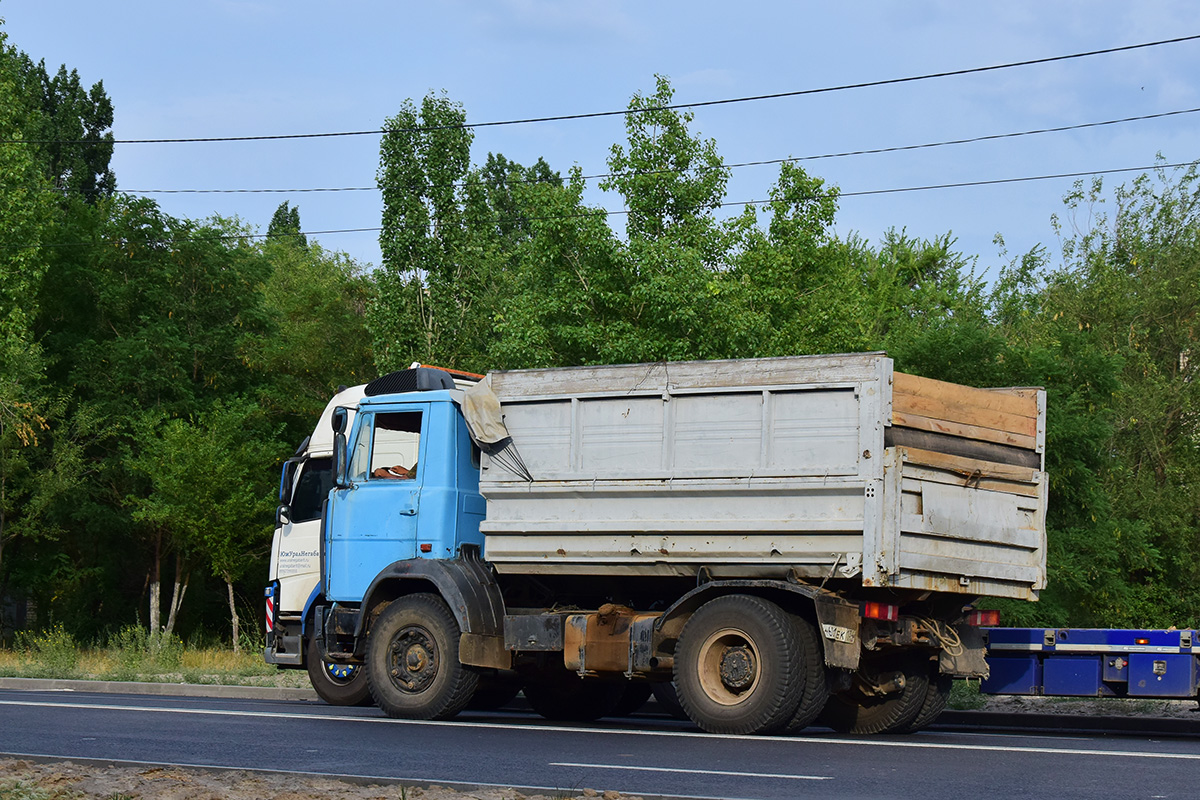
[340, 672]
[728, 667]
[737, 667]
[413, 660]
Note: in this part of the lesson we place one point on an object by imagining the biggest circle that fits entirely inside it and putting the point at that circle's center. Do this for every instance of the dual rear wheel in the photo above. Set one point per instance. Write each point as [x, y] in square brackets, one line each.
[866, 710]
[743, 665]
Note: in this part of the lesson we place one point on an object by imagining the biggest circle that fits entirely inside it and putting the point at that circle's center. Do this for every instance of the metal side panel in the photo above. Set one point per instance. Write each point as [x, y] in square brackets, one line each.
[685, 376]
[806, 416]
[775, 523]
[810, 432]
[958, 538]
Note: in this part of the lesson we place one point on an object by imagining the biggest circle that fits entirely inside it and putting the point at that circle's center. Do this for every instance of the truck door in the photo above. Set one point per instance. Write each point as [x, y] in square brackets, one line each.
[294, 556]
[373, 522]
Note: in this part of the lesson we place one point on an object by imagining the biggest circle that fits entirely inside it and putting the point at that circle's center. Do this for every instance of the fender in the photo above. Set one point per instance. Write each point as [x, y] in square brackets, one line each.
[465, 583]
[838, 620]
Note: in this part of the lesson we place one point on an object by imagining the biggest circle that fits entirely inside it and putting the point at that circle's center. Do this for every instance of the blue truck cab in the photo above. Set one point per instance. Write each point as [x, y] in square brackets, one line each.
[408, 488]
[404, 588]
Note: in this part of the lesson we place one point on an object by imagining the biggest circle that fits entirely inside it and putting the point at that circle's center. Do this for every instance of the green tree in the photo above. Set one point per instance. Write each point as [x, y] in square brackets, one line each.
[210, 490]
[150, 318]
[71, 126]
[1128, 282]
[570, 288]
[285, 222]
[449, 237]
[25, 217]
[794, 287]
[314, 337]
[671, 182]
[426, 285]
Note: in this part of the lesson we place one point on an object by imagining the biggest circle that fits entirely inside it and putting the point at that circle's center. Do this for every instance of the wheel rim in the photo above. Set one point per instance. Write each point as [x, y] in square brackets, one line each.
[340, 673]
[729, 667]
[413, 659]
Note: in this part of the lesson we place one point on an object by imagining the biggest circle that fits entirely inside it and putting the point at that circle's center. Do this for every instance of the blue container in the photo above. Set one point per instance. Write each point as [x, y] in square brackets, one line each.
[1072, 676]
[1162, 675]
[1013, 674]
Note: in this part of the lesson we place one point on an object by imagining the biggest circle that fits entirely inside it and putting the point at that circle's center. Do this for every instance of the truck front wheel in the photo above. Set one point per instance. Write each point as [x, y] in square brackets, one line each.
[336, 684]
[736, 666]
[412, 660]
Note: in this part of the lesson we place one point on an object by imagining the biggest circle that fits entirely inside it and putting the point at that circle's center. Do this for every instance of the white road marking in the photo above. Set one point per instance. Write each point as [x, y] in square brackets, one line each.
[697, 771]
[1011, 735]
[796, 740]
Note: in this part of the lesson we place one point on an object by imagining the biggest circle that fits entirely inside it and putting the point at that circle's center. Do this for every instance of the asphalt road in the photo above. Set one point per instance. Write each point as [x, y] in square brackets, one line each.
[648, 755]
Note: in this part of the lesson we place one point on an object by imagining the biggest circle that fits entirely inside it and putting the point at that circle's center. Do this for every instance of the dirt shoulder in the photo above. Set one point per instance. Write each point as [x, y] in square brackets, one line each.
[67, 780]
[1091, 707]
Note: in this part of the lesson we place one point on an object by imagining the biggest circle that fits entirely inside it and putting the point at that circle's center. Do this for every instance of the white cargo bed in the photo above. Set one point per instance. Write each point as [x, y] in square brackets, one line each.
[815, 465]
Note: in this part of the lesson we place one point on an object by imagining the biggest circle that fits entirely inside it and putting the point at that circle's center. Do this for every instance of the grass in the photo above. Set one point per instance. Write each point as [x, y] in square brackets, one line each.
[134, 655]
[965, 696]
[19, 790]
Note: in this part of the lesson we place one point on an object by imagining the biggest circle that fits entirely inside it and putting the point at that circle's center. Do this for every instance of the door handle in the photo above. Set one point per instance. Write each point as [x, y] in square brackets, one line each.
[408, 512]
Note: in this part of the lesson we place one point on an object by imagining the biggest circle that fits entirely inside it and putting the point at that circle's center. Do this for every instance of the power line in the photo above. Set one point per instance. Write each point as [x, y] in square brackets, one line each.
[630, 112]
[790, 160]
[608, 213]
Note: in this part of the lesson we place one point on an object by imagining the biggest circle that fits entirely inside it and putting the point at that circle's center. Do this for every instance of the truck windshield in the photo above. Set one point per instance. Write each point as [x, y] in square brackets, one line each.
[316, 480]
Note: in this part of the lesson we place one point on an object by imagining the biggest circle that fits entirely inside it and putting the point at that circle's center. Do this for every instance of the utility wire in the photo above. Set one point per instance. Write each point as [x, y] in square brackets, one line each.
[630, 112]
[607, 213]
[791, 160]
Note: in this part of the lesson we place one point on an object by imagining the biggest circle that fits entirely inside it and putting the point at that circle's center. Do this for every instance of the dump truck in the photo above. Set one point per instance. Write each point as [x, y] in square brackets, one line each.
[776, 540]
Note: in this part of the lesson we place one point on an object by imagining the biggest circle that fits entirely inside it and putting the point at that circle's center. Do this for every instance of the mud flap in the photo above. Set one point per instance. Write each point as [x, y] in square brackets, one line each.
[839, 623]
[967, 660]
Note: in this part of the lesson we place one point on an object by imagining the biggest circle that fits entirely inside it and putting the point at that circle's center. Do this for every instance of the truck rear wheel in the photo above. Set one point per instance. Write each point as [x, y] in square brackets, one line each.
[564, 696]
[668, 699]
[811, 662]
[336, 684]
[412, 660]
[936, 697]
[856, 711]
[632, 699]
[496, 689]
[736, 669]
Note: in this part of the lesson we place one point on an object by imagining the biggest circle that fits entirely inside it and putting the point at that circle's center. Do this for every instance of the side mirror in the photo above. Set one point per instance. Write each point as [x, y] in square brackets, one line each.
[340, 479]
[340, 416]
[283, 515]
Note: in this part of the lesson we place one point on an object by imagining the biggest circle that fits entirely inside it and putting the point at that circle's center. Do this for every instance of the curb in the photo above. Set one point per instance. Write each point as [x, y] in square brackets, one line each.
[1068, 722]
[160, 689]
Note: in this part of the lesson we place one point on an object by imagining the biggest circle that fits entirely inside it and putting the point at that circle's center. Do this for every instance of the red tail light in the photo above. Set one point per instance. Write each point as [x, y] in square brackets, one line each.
[881, 611]
[984, 619]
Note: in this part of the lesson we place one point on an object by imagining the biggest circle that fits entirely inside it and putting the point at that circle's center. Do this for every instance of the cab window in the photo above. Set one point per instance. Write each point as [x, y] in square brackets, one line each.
[396, 439]
[360, 456]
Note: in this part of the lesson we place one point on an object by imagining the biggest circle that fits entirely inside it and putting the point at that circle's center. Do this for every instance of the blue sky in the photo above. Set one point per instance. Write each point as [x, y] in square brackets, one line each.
[237, 68]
